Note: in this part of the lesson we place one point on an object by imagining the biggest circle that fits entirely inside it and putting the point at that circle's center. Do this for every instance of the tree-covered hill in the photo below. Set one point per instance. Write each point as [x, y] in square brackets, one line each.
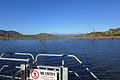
[10, 34]
[110, 32]
[14, 34]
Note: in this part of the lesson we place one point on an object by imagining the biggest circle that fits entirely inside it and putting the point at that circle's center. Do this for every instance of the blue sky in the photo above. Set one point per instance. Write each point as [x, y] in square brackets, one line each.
[59, 16]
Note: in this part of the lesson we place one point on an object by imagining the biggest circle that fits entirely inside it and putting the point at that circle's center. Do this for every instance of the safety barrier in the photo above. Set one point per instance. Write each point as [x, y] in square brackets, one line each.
[31, 71]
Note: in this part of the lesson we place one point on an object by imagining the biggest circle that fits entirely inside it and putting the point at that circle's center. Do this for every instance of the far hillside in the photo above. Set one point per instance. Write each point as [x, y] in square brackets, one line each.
[13, 34]
[110, 32]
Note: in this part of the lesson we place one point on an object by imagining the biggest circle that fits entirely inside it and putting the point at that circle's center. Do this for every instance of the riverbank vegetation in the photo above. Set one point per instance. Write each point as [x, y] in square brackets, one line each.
[111, 33]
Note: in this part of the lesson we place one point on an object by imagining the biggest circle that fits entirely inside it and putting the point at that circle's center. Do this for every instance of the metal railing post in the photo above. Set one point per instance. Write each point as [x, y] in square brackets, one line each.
[63, 61]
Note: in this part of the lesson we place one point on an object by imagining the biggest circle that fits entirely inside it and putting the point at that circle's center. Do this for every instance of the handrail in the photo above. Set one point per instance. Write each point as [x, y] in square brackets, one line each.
[75, 74]
[84, 66]
[75, 58]
[3, 67]
[57, 55]
[10, 77]
[2, 55]
[62, 55]
[25, 54]
[7, 76]
[14, 59]
[54, 55]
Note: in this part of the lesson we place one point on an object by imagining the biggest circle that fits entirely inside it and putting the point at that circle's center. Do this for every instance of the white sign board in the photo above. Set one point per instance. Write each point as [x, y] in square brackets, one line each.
[37, 74]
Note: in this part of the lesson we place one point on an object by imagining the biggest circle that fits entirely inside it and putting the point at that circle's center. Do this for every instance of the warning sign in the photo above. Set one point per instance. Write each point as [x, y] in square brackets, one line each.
[37, 74]
[34, 74]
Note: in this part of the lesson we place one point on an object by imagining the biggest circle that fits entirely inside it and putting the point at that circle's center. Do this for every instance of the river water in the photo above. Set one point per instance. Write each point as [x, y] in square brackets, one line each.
[101, 56]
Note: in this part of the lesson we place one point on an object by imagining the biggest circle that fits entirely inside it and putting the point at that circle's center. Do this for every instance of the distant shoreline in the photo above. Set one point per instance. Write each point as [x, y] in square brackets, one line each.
[111, 33]
[99, 37]
[95, 37]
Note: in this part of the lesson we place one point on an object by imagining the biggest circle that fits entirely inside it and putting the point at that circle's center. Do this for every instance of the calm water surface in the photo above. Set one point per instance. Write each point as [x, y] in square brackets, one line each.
[102, 56]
